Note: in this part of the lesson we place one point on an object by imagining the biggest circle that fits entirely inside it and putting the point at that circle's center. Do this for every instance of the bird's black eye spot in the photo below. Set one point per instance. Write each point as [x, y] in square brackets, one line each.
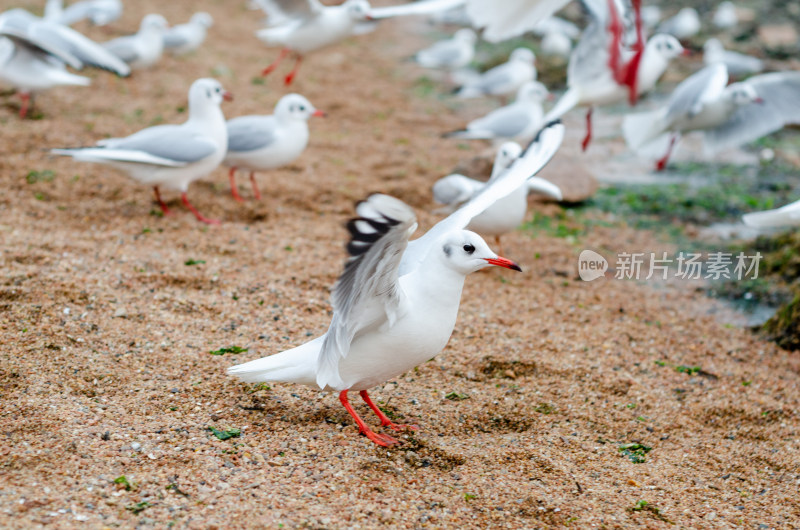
[302, 108]
[469, 249]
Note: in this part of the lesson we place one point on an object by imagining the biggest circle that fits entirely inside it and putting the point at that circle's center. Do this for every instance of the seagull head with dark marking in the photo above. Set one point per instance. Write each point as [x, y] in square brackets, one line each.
[358, 9]
[466, 252]
[296, 107]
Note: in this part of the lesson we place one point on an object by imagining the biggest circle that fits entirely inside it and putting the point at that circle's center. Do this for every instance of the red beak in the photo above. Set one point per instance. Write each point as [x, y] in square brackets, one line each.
[319, 113]
[686, 52]
[227, 96]
[759, 101]
[503, 262]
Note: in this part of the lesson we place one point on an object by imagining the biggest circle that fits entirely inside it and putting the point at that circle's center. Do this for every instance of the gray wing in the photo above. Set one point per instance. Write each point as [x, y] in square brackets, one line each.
[455, 189]
[535, 157]
[697, 89]
[122, 48]
[589, 59]
[505, 122]
[175, 37]
[366, 293]
[780, 106]
[494, 78]
[16, 28]
[442, 53]
[171, 142]
[249, 133]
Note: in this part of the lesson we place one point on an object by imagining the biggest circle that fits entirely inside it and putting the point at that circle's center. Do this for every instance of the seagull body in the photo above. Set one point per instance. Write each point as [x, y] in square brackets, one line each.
[396, 303]
[728, 115]
[591, 80]
[303, 26]
[736, 63]
[184, 38]
[144, 48]
[556, 44]
[788, 215]
[507, 213]
[520, 120]
[260, 143]
[169, 156]
[34, 53]
[685, 24]
[504, 79]
[450, 54]
[504, 19]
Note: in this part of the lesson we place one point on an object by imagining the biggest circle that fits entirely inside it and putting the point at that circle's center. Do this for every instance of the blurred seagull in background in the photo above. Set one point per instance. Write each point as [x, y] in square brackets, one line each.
[170, 156]
[729, 116]
[507, 213]
[736, 63]
[603, 71]
[184, 38]
[34, 54]
[520, 120]
[142, 49]
[450, 54]
[725, 17]
[504, 79]
[685, 24]
[303, 26]
[260, 143]
[99, 12]
[395, 305]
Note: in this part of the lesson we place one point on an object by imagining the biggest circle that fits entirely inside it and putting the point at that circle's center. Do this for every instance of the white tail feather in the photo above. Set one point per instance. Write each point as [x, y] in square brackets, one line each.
[297, 365]
[642, 128]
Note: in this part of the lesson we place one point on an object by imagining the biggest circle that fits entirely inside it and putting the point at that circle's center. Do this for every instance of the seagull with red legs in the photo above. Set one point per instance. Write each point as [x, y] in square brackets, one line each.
[395, 305]
[303, 26]
[170, 156]
[604, 70]
[728, 115]
[260, 143]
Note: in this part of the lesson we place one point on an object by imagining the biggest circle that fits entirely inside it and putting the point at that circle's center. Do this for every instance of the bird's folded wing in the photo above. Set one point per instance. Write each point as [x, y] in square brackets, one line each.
[176, 37]
[535, 157]
[366, 293]
[177, 143]
[779, 106]
[696, 90]
[106, 155]
[424, 7]
[249, 133]
[455, 189]
[123, 47]
[15, 25]
[505, 122]
[503, 19]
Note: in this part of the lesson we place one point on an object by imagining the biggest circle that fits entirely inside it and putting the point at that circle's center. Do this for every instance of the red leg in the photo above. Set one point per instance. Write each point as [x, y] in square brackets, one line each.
[26, 100]
[380, 439]
[161, 203]
[290, 77]
[255, 186]
[196, 213]
[588, 137]
[662, 162]
[385, 422]
[234, 191]
[271, 68]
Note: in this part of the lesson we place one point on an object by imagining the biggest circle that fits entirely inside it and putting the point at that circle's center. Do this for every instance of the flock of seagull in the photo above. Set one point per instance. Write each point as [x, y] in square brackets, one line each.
[395, 304]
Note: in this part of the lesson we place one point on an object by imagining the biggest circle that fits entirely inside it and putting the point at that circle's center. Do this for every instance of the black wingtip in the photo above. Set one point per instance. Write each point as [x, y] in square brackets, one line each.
[538, 136]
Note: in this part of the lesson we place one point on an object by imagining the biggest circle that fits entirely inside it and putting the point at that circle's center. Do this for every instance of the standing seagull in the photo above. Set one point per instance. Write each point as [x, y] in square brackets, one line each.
[450, 54]
[507, 213]
[172, 156]
[520, 120]
[260, 143]
[395, 305]
[729, 115]
[601, 72]
[303, 26]
[184, 38]
[142, 49]
[34, 53]
[504, 79]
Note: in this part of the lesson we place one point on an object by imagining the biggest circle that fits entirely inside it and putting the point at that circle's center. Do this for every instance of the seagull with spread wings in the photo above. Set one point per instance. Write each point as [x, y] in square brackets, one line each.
[395, 305]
